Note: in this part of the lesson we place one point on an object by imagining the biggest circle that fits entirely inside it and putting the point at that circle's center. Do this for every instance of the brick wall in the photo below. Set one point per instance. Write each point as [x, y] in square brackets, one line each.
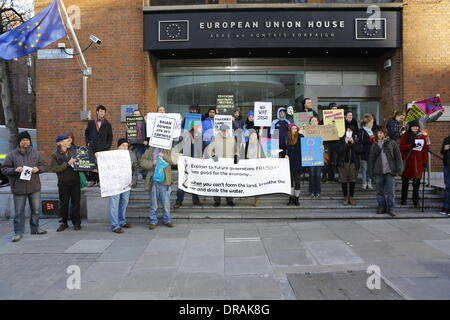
[426, 59]
[119, 69]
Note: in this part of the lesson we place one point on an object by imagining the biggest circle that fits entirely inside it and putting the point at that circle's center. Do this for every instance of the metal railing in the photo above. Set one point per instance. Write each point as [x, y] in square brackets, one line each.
[431, 153]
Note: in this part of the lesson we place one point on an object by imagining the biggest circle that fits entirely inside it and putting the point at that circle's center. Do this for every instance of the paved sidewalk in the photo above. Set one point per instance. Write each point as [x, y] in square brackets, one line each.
[226, 260]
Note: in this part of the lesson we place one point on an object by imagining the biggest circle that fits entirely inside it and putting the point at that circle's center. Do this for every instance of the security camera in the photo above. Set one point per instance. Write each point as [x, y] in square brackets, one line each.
[95, 39]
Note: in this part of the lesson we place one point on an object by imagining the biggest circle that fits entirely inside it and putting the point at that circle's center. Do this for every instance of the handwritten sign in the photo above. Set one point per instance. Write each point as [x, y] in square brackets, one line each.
[85, 157]
[114, 170]
[151, 120]
[327, 132]
[335, 116]
[135, 129]
[263, 114]
[162, 132]
[301, 118]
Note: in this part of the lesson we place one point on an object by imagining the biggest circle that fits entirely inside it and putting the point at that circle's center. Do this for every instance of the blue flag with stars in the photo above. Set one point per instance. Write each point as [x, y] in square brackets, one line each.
[38, 32]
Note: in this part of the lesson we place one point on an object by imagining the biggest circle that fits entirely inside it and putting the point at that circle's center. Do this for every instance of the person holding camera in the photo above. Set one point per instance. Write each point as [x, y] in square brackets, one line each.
[415, 156]
[396, 126]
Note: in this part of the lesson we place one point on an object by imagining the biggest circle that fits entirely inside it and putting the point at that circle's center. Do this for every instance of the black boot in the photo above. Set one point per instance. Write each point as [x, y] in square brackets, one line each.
[296, 203]
[291, 201]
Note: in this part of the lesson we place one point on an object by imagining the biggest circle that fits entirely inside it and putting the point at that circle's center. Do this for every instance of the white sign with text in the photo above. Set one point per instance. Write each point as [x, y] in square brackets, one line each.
[263, 114]
[114, 170]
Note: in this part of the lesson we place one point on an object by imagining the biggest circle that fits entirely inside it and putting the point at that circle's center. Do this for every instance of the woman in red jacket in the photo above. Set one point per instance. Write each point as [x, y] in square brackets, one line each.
[413, 147]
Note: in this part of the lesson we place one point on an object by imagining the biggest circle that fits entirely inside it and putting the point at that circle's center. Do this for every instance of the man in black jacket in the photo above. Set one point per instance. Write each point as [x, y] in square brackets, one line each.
[98, 136]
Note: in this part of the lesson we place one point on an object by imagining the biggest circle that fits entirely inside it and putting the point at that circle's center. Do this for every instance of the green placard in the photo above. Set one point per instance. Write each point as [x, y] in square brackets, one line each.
[301, 118]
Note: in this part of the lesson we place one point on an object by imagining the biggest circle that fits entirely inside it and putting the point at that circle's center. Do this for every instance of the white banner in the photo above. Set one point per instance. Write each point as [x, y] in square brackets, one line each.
[162, 133]
[224, 178]
[151, 120]
[114, 170]
[263, 114]
[220, 120]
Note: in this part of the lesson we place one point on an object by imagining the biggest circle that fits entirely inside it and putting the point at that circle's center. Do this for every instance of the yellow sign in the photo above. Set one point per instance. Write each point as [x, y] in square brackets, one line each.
[335, 116]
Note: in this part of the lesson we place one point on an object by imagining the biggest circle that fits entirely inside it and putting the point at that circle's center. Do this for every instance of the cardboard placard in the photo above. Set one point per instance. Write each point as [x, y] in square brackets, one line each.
[301, 118]
[327, 132]
[335, 116]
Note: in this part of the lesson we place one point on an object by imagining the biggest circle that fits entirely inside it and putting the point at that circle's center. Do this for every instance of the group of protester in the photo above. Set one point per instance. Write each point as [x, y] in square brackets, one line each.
[379, 152]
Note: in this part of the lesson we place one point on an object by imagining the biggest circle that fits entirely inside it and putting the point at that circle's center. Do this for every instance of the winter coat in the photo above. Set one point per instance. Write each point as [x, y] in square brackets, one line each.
[393, 156]
[353, 123]
[238, 123]
[364, 139]
[30, 158]
[59, 165]
[353, 150]
[222, 147]
[147, 164]
[208, 130]
[416, 160]
[282, 126]
[294, 152]
[393, 128]
[445, 153]
[100, 140]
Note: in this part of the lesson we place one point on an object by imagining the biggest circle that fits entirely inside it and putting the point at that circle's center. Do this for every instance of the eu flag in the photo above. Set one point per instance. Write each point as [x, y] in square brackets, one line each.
[38, 32]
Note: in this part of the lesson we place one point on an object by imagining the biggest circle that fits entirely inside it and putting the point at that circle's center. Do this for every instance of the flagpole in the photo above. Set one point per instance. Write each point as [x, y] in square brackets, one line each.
[86, 69]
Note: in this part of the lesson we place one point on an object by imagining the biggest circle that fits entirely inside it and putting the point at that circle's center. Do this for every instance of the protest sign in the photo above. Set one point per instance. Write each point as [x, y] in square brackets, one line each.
[151, 119]
[301, 118]
[26, 173]
[335, 116]
[224, 178]
[419, 144]
[191, 120]
[271, 147]
[162, 132]
[114, 170]
[85, 157]
[222, 119]
[135, 129]
[263, 114]
[312, 152]
[430, 105]
[414, 113]
[328, 132]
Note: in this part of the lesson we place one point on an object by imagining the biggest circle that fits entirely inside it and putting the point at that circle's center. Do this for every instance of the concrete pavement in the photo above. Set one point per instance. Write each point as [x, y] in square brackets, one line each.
[324, 259]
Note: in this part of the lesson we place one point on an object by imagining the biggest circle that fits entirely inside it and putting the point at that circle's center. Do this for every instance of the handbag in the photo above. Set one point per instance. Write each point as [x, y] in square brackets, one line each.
[83, 180]
[158, 175]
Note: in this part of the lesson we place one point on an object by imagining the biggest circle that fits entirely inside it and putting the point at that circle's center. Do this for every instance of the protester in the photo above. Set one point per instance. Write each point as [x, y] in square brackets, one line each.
[385, 162]
[416, 161]
[190, 144]
[348, 151]
[445, 152]
[308, 107]
[223, 146]
[350, 121]
[98, 136]
[252, 149]
[294, 153]
[208, 126]
[119, 202]
[290, 113]
[238, 122]
[139, 148]
[366, 137]
[314, 171]
[158, 190]
[68, 183]
[13, 167]
[161, 109]
[396, 126]
[281, 124]
[330, 147]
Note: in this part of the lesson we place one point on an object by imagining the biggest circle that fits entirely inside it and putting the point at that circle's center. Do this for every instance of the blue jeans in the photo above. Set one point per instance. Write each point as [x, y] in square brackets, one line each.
[34, 200]
[385, 191]
[180, 196]
[315, 174]
[365, 172]
[162, 193]
[447, 188]
[117, 209]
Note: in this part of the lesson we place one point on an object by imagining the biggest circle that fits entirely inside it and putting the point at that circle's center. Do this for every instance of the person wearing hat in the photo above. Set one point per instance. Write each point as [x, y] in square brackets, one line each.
[119, 202]
[222, 146]
[415, 160]
[13, 167]
[68, 183]
[294, 154]
[280, 124]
